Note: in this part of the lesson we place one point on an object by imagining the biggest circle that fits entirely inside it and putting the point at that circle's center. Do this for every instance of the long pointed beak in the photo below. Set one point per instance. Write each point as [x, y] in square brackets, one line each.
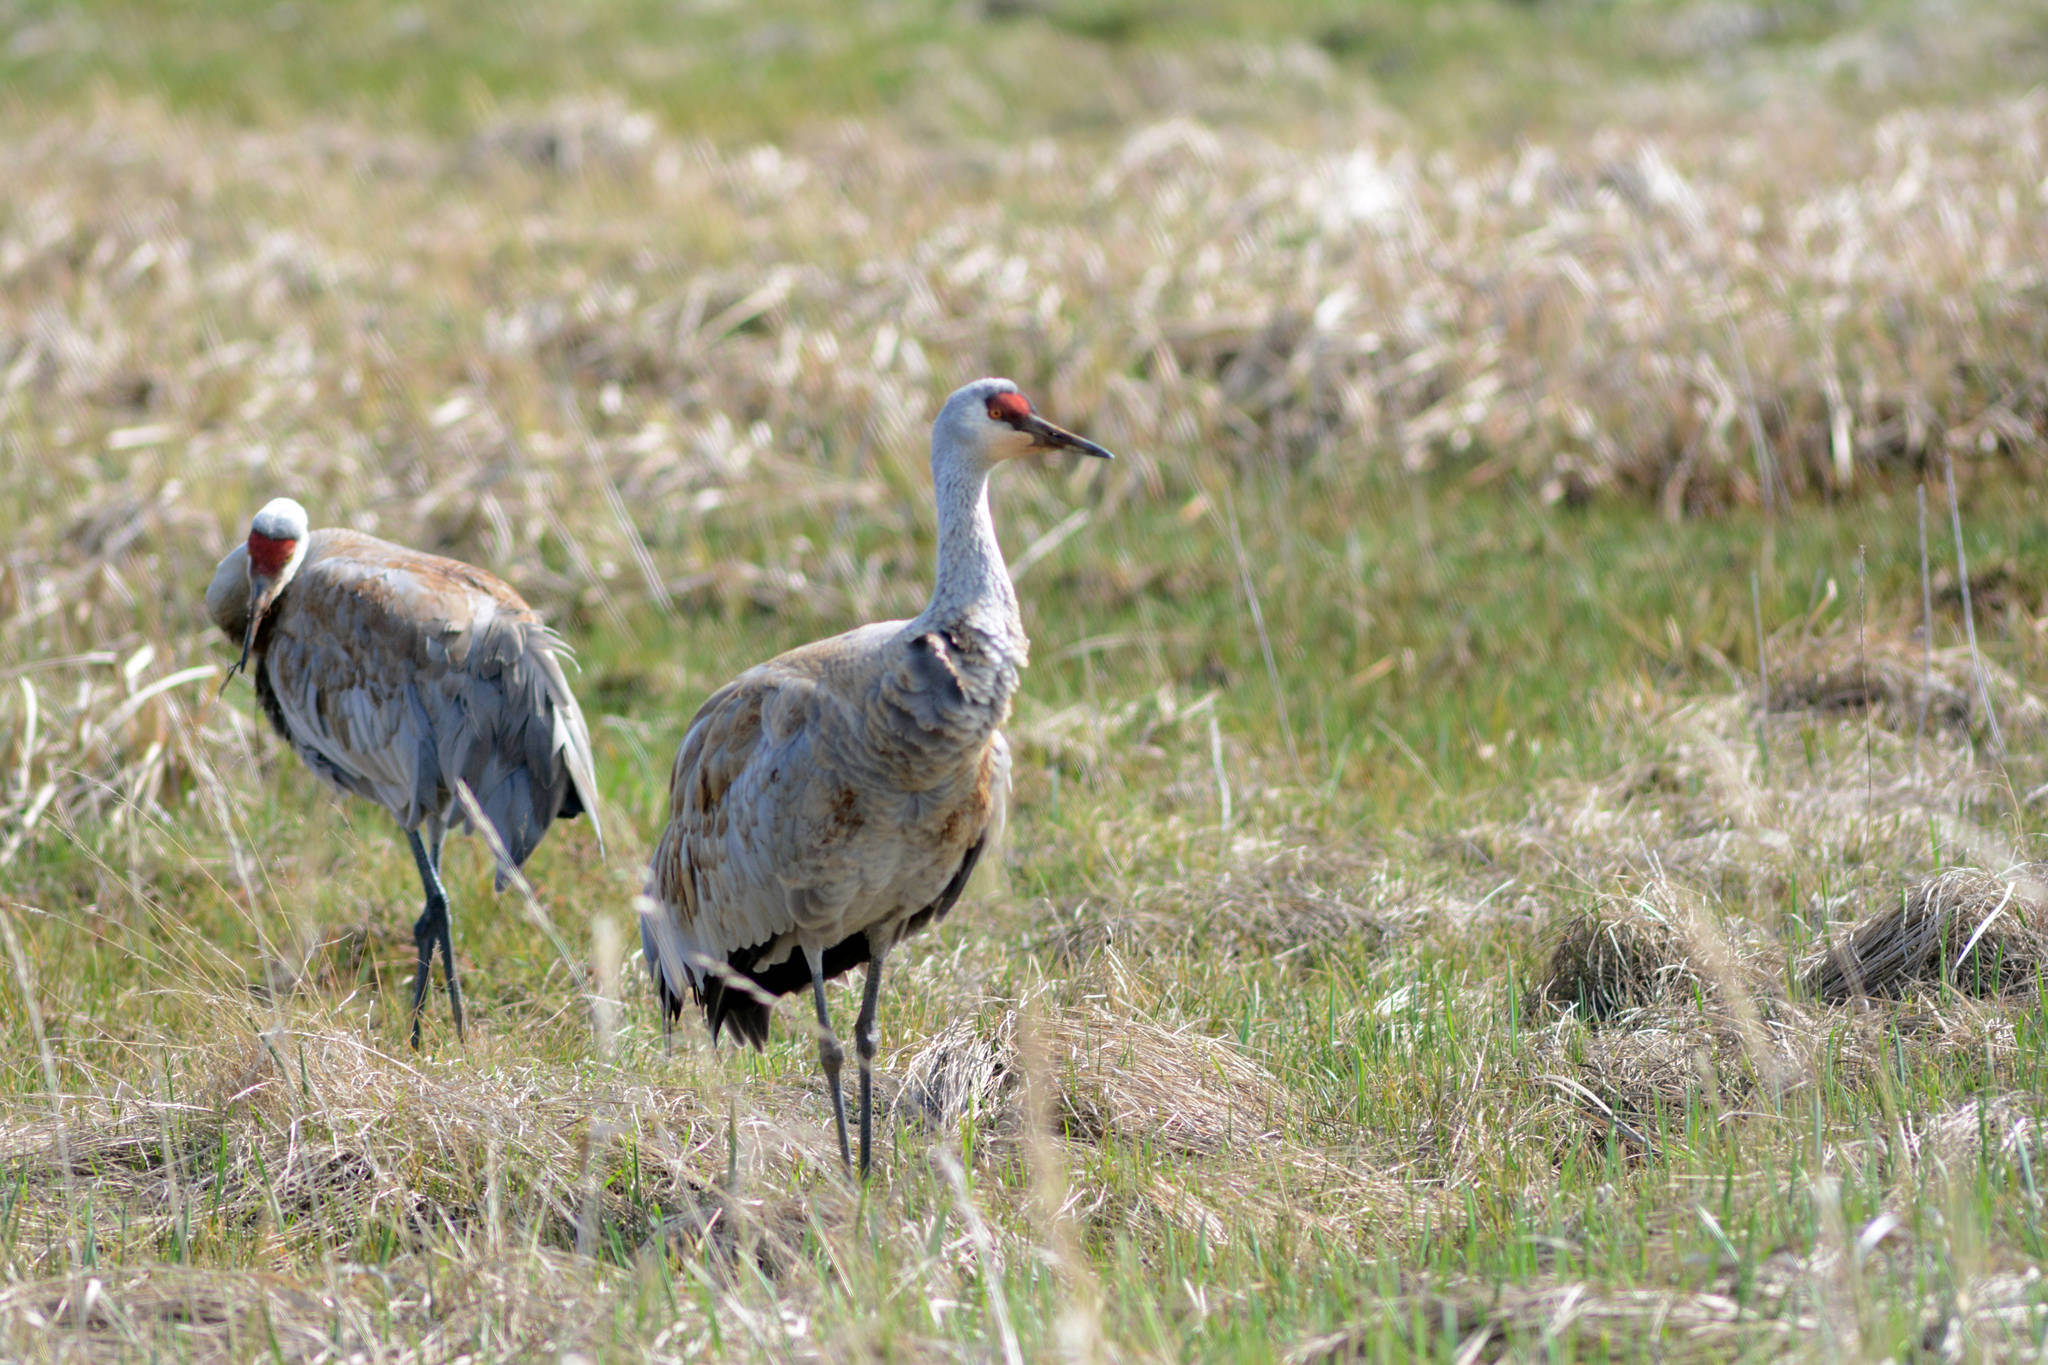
[1046, 436]
[259, 602]
[248, 641]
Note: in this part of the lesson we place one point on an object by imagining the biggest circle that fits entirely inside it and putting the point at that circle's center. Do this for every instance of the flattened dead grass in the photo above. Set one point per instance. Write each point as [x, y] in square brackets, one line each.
[1571, 1319]
[1112, 1077]
[1615, 959]
[1901, 685]
[123, 1314]
[1213, 1127]
[305, 1137]
[1971, 930]
[1675, 999]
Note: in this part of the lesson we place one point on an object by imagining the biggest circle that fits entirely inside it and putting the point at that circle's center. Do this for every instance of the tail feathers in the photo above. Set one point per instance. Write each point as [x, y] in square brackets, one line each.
[743, 1006]
[733, 1007]
[737, 997]
[570, 737]
[675, 965]
[667, 952]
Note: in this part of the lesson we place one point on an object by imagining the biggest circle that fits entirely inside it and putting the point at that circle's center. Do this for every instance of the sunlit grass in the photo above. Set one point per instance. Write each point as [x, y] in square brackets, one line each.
[1258, 1041]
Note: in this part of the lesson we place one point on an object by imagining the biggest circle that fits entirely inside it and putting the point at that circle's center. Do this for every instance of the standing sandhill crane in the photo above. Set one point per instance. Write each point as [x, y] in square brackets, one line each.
[833, 800]
[397, 675]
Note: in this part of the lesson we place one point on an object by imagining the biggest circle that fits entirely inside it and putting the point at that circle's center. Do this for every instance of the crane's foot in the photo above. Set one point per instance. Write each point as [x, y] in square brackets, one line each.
[431, 932]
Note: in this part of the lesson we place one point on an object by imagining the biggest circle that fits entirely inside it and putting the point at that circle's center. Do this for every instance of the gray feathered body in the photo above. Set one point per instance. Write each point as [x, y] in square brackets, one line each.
[834, 796]
[395, 674]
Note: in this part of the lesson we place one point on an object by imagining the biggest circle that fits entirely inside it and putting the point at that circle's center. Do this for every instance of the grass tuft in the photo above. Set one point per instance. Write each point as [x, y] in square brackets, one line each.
[1978, 933]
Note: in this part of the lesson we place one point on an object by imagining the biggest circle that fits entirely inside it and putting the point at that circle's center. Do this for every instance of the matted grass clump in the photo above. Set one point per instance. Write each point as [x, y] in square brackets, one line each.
[302, 1137]
[1901, 684]
[1105, 1075]
[1615, 958]
[1979, 933]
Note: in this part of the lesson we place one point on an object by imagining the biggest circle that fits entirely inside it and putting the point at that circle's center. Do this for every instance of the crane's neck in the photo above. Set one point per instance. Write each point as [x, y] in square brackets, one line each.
[972, 598]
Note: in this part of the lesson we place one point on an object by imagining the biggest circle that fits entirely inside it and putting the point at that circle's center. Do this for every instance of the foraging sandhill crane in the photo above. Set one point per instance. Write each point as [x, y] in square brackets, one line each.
[397, 675]
[831, 801]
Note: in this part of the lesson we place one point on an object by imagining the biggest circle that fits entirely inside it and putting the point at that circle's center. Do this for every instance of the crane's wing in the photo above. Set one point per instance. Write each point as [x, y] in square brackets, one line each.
[767, 789]
[713, 880]
[780, 788]
[396, 674]
[336, 681]
[505, 722]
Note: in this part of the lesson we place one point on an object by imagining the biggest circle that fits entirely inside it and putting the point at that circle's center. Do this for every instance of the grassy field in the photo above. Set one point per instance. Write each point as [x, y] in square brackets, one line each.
[1527, 792]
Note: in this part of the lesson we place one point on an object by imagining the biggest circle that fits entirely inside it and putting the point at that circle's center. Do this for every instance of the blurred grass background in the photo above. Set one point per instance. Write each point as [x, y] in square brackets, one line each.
[1496, 70]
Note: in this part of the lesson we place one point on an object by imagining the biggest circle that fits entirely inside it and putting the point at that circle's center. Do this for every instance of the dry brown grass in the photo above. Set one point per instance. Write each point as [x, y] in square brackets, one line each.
[198, 1314]
[1802, 1308]
[1177, 1090]
[1735, 804]
[528, 1303]
[1674, 993]
[297, 1135]
[1594, 326]
[1524, 1324]
[1979, 933]
[1988, 1126]
[1608, 961]
[1901, 685]
[1222, 1140]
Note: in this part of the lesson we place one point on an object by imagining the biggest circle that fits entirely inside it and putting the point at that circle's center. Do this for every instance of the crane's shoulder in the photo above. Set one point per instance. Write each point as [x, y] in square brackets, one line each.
[838, 660]
[779, 695]
[371, 575]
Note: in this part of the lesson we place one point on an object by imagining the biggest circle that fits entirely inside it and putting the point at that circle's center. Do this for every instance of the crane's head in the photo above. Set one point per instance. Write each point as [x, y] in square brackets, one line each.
[989, 421]
[276, 544]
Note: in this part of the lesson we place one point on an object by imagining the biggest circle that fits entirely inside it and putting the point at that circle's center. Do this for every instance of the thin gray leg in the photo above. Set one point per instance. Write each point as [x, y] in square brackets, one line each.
[830, 1054]
[864, 1047]
[436, 835]
[432, 930]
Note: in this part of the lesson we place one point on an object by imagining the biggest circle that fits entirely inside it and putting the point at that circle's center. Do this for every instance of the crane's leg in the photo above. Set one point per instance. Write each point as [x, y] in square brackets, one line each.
[432, 929]
[864, 1046]
[830, 1054]
[437, 832]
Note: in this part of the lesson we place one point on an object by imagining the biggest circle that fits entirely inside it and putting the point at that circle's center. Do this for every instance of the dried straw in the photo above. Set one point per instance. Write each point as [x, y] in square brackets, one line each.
[1979, 933]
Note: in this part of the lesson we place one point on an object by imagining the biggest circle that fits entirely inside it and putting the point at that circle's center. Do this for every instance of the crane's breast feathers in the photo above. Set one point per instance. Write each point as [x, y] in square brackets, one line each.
[942, 688]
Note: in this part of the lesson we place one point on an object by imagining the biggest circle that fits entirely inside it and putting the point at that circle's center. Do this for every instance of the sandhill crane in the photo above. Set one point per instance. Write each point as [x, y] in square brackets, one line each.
[397, 675]
[827, 803]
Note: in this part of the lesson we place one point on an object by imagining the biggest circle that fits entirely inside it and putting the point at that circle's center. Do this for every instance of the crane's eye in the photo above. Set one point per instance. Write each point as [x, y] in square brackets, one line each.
[995, 414]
